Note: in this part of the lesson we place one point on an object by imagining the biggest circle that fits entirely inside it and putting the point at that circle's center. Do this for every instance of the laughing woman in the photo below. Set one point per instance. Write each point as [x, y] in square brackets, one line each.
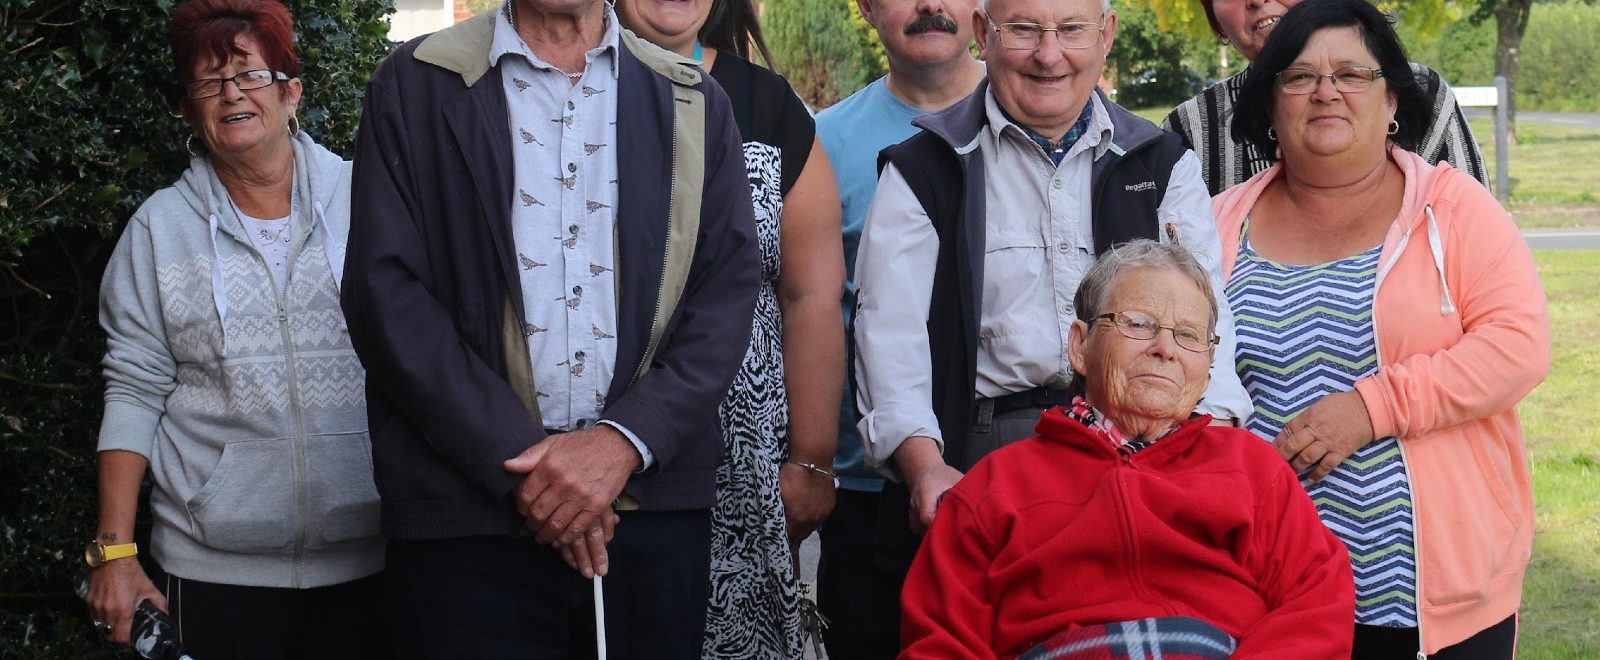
[230, 376]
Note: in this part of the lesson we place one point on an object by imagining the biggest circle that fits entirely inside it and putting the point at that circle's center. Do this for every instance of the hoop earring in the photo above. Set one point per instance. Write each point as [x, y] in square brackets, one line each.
[1394, 126]
[1271, 134]
[188, 145]
[1226, 42]
[294, 125]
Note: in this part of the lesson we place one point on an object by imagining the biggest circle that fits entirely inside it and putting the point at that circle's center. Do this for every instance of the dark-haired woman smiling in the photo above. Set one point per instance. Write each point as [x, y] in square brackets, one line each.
[1389, 320]
[230, 376]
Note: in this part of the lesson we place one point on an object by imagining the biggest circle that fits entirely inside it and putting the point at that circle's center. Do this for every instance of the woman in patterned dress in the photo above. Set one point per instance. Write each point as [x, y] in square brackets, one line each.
[1389, 319]
[780, 419]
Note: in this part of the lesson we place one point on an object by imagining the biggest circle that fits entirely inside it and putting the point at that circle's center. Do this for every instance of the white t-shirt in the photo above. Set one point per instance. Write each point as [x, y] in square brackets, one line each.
[272, 239]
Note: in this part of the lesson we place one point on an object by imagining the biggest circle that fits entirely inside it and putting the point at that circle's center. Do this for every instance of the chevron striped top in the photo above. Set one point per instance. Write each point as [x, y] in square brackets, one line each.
[1304, 332]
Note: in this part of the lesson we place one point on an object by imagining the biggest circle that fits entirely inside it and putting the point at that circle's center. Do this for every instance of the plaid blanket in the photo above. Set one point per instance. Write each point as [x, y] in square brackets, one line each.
[1167, 638]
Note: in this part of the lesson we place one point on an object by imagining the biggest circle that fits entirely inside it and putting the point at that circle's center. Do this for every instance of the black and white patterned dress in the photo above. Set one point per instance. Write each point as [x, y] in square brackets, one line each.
[754, 605]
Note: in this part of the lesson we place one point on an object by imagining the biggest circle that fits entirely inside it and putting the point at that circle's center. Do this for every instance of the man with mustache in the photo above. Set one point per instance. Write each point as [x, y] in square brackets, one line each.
[930, 67]
[981, 228]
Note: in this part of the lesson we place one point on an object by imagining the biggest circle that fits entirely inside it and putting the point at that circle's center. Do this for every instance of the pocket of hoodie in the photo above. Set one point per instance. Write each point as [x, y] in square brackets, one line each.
[1483, 532]
[342, 499]
[247, 505]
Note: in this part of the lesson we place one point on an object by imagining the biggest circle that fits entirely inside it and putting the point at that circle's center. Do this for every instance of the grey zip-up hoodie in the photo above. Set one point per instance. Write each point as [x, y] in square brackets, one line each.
[244, 394]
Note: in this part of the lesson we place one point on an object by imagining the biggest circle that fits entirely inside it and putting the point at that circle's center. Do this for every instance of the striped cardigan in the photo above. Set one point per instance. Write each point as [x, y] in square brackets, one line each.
[1206, 122]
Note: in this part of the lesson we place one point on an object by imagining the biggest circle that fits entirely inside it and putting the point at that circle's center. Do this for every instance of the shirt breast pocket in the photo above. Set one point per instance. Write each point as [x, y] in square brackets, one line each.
[1011, 260]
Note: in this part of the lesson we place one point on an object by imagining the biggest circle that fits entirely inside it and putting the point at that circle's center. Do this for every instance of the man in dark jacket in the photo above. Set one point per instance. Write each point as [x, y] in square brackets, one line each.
[551, 272]
[980, 230]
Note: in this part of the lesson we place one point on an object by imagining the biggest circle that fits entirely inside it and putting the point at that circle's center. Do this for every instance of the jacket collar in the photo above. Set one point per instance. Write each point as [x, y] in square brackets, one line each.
[1057, 426]
[960, 124]
[464, 48]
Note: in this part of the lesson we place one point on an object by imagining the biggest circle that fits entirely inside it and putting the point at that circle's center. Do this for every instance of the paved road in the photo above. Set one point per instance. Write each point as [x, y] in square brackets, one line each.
[1569, 119]
[1571, 239]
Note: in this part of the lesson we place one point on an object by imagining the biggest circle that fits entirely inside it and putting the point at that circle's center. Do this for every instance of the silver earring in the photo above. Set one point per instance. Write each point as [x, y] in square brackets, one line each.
[188, 145]
[1272, 135]
[1394, 126]
[294, 125]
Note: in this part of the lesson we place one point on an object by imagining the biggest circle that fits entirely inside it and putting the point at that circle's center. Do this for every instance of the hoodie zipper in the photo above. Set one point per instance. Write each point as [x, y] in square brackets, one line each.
[1416, 520]
[290, 376]
[1130, 545]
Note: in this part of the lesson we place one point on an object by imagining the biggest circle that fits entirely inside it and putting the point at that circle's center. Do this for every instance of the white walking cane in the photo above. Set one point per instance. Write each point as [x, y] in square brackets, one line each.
[599, 618]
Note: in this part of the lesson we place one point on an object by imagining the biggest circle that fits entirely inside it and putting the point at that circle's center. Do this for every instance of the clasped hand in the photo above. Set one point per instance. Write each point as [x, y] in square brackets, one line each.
[570, 481]
[1325, 433]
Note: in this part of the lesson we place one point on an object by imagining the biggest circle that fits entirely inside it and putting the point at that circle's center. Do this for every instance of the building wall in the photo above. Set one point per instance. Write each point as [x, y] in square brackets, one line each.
[414, 18]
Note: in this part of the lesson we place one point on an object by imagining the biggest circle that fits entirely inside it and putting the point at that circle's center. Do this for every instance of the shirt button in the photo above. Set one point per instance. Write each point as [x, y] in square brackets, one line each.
[1063, 248]
[577, 291]
[570, 106]
[578, 355]
[582, 423]
[572, 229]
[1057, 184]
[572, 167]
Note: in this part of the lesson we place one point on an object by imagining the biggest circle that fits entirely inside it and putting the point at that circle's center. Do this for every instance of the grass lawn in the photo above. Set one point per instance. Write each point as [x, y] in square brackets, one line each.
[1561, 598]
[1555, 173]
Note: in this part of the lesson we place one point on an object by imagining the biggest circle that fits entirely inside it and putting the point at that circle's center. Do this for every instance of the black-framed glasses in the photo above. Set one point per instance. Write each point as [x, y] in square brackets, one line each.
[253, 79]
[1141, 326]
[1028, 36]
[1300, 80]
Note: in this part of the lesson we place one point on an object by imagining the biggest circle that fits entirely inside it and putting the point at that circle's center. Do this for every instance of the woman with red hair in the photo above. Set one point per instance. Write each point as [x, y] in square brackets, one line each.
[230, 375]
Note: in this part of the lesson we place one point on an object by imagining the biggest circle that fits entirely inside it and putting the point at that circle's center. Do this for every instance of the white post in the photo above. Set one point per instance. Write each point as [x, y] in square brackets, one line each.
[599, 618]
[1502, 143]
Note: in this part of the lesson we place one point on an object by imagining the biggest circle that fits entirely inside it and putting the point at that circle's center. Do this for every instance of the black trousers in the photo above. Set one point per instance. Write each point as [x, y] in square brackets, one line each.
[1497, 642]
[492, 597]
[867, 545]
[229, 622]
[859, 598]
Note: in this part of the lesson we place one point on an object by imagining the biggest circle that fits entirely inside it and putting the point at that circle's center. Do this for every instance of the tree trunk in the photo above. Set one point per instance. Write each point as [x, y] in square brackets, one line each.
[1511, 21]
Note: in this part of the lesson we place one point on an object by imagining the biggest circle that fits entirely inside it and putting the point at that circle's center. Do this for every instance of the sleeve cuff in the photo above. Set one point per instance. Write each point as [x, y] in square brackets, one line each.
[648, 459]
[1374, 395]
[880, 437]
[128, 426]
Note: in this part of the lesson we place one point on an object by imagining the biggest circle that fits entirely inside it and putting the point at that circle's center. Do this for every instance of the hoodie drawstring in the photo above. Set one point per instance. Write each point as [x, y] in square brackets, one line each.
[1446, 305]
[219, 290]
[335, 262]
[329, 247]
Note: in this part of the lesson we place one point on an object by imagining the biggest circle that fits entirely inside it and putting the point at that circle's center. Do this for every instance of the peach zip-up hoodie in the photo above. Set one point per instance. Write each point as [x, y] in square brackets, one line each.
[1462, 334]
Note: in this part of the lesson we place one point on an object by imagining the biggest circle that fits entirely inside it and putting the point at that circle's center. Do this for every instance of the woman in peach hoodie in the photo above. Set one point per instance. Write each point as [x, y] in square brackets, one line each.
[1390, 318]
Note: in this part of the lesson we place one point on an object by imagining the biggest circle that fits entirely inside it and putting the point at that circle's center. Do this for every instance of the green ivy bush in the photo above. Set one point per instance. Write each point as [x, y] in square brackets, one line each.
[823, 48]
[87, 132]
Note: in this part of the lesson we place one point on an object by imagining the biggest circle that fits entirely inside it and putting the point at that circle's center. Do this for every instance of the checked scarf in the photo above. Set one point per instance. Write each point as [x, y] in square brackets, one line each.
[1083, 413]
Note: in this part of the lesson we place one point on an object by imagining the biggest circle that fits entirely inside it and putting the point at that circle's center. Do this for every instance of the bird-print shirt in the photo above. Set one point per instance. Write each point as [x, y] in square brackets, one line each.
[563, 215]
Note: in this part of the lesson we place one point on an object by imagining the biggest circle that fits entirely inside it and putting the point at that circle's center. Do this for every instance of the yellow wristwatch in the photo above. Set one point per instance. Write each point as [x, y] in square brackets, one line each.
[97, 553]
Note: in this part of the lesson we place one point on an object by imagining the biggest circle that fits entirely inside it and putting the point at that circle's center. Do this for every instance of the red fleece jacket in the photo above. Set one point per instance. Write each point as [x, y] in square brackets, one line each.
[1060, 530]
